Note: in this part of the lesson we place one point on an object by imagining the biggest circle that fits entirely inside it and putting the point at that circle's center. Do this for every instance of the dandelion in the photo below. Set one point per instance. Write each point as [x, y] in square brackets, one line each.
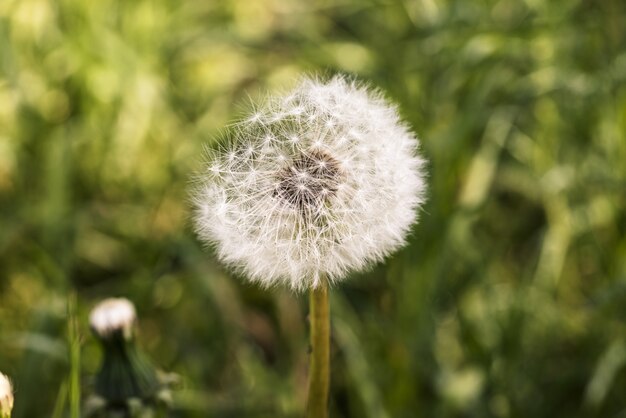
[126, 374]
[316, 184]
[6, 397]
[319, 183]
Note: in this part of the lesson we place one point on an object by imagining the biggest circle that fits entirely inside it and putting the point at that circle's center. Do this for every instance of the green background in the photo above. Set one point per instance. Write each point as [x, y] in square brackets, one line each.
[510, 300]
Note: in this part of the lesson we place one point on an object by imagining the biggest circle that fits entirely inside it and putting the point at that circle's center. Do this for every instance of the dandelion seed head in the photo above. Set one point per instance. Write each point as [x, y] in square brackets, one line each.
[335, 189]
[111, 316]
[6, 396]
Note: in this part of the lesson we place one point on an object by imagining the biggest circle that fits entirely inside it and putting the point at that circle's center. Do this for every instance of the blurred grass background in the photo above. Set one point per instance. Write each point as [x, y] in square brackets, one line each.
[510, 300]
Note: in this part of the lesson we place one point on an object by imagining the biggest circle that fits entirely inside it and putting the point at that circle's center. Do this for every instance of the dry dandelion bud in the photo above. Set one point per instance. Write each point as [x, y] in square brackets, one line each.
[6, 397]
[125, 374]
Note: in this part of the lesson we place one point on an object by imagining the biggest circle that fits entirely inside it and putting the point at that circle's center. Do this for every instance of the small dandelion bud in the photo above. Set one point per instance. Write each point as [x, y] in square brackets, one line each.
[6, 397]
[318, 183]
[125, 374]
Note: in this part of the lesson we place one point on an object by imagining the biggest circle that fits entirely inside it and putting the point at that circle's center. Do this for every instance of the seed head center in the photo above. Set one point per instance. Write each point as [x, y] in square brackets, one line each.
[308, 181]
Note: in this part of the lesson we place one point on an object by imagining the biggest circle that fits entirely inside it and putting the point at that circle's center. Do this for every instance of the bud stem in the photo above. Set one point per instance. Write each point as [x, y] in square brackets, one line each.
[319, 369]
[74, 354]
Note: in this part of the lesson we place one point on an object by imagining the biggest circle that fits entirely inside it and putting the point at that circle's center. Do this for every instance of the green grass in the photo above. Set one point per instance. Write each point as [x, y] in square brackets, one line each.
[509, 300]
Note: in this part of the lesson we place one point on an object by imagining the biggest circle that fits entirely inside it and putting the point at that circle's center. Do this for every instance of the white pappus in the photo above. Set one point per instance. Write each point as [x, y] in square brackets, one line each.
[113, 315]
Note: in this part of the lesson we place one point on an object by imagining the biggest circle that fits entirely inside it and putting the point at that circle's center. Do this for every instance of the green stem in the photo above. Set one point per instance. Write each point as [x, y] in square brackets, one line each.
[74, 346]
[319, 368]
[59, 405]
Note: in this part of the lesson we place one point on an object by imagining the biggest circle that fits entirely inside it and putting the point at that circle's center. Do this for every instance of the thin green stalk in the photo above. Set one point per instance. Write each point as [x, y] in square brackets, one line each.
[74, 348]
[319, 368]
[59, 405]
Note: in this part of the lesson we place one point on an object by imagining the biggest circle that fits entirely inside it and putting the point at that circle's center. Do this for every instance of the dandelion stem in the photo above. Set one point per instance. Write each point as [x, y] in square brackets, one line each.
[319, 368]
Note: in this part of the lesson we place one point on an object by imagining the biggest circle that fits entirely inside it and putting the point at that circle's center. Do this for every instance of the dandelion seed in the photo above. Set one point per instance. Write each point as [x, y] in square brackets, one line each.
[255, 117]
[335, 190]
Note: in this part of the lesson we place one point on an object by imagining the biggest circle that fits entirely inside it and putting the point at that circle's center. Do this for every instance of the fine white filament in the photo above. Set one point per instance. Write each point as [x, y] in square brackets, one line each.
[322, 181]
